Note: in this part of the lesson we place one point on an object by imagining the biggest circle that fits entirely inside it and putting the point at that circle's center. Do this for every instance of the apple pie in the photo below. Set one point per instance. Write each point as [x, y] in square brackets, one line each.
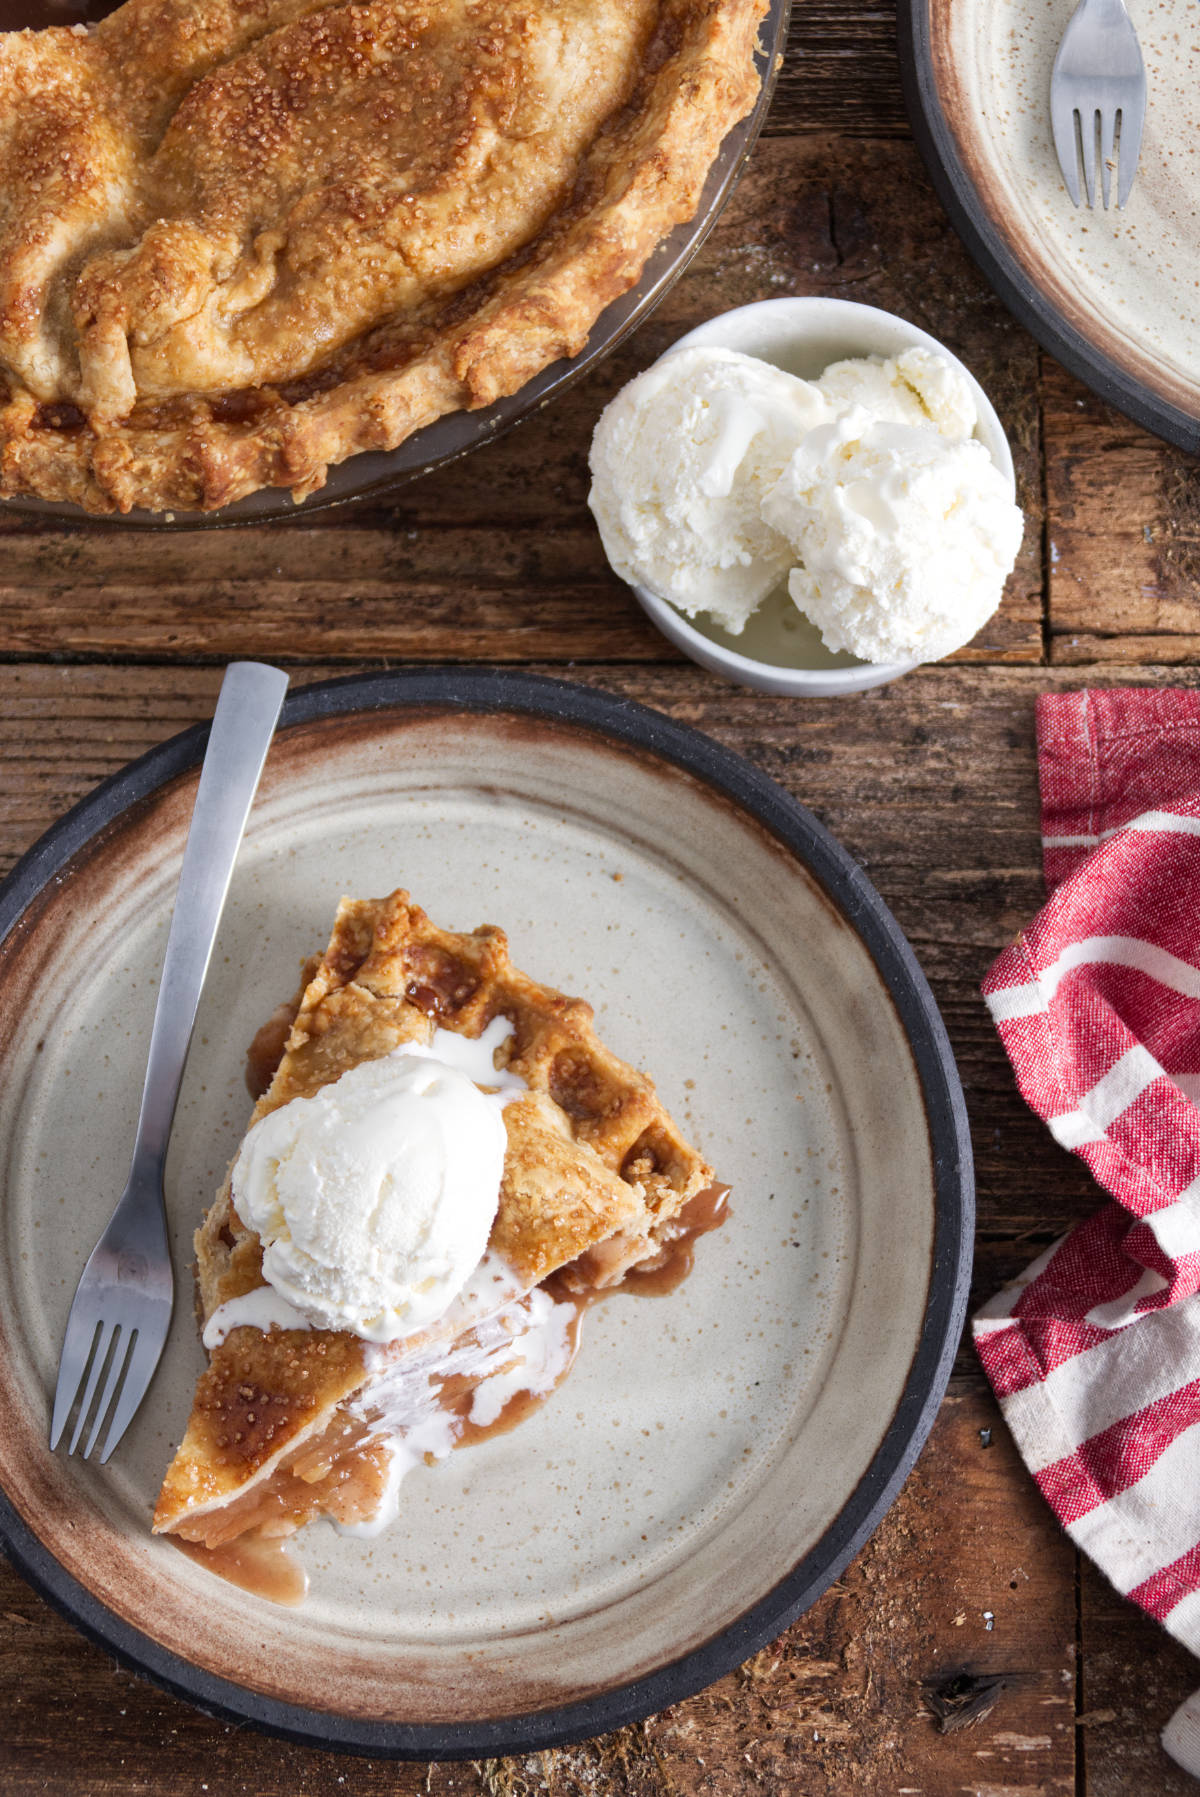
[244, 239]
[598, 1188]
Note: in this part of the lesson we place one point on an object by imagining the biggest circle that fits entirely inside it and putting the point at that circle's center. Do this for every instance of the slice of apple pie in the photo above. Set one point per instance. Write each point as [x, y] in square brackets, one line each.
[318, 1398]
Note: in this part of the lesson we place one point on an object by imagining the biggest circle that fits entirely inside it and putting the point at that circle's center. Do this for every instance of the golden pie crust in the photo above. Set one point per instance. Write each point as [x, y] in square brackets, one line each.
[241, 240]
[596, 1172]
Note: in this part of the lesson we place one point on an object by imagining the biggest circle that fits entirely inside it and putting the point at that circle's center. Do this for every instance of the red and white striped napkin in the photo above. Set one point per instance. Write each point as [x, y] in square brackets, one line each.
[1095, 1352]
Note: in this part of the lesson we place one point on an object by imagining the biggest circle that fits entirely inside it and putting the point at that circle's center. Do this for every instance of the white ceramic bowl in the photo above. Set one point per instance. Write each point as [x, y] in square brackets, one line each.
[780, 651]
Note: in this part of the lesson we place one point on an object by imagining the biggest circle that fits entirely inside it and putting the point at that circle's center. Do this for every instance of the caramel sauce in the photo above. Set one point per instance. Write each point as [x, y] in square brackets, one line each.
[673, 1262]
[257, 1563]
[520, 1405]
[239, 407]
[61, 416]
[266, 1051]
[438, 984]
[425, 999]
[524, 1403]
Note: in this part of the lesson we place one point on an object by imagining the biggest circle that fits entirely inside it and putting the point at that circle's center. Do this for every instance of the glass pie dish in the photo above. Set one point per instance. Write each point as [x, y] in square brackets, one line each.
[456, 433]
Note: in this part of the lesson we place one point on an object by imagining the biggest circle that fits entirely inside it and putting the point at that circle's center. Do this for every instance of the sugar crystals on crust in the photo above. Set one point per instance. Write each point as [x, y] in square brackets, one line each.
[245, 239]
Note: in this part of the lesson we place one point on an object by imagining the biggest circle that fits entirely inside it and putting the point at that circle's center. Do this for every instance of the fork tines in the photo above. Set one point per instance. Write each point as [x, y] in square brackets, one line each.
[1098, 101]
[107, 1357]
[114, 1337]
[1104, 141]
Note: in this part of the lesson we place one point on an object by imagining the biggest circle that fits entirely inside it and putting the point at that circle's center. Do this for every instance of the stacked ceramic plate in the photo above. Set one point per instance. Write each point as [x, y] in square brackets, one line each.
[1111, 294]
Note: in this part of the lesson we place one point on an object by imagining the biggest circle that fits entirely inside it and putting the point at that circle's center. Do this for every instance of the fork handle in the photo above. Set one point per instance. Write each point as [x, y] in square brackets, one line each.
[242, 727]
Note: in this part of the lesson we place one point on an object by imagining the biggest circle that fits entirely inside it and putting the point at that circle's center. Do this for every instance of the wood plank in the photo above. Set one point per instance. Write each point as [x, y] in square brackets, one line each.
[1166, 652]
[1134, 1678]
[841, 72]
[496, 558]
[1124, 534]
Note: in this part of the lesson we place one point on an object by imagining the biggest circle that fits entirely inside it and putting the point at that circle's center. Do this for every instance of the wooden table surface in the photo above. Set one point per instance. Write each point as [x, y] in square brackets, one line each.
[111, 641]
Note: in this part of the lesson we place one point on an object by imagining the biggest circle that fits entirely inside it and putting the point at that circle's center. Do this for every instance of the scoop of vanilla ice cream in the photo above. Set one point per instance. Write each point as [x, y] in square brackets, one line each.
[680, 461]
[374, 1199]
[905, 537]
[919, 386]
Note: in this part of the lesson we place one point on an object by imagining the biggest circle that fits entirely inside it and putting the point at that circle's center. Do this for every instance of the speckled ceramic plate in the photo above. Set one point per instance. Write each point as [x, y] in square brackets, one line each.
[1112, 294]
[716, 1455]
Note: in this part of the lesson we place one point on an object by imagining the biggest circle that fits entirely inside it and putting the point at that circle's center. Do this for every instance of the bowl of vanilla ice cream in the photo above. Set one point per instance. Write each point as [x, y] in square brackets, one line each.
[808, 496]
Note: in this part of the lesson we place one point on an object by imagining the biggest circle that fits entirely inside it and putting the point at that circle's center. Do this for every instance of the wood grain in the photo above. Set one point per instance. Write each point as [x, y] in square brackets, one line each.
[840, 73]
[1124, 543]
[110, 642]
[1134, 1677]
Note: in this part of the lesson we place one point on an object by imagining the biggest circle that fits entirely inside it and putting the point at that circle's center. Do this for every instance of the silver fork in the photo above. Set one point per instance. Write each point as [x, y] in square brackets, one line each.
[122, 1306]
[1098, 89]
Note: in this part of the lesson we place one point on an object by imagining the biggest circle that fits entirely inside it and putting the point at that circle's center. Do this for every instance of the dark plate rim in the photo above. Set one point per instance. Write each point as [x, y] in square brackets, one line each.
[376, 475]
[633, 726]
[996, 256]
